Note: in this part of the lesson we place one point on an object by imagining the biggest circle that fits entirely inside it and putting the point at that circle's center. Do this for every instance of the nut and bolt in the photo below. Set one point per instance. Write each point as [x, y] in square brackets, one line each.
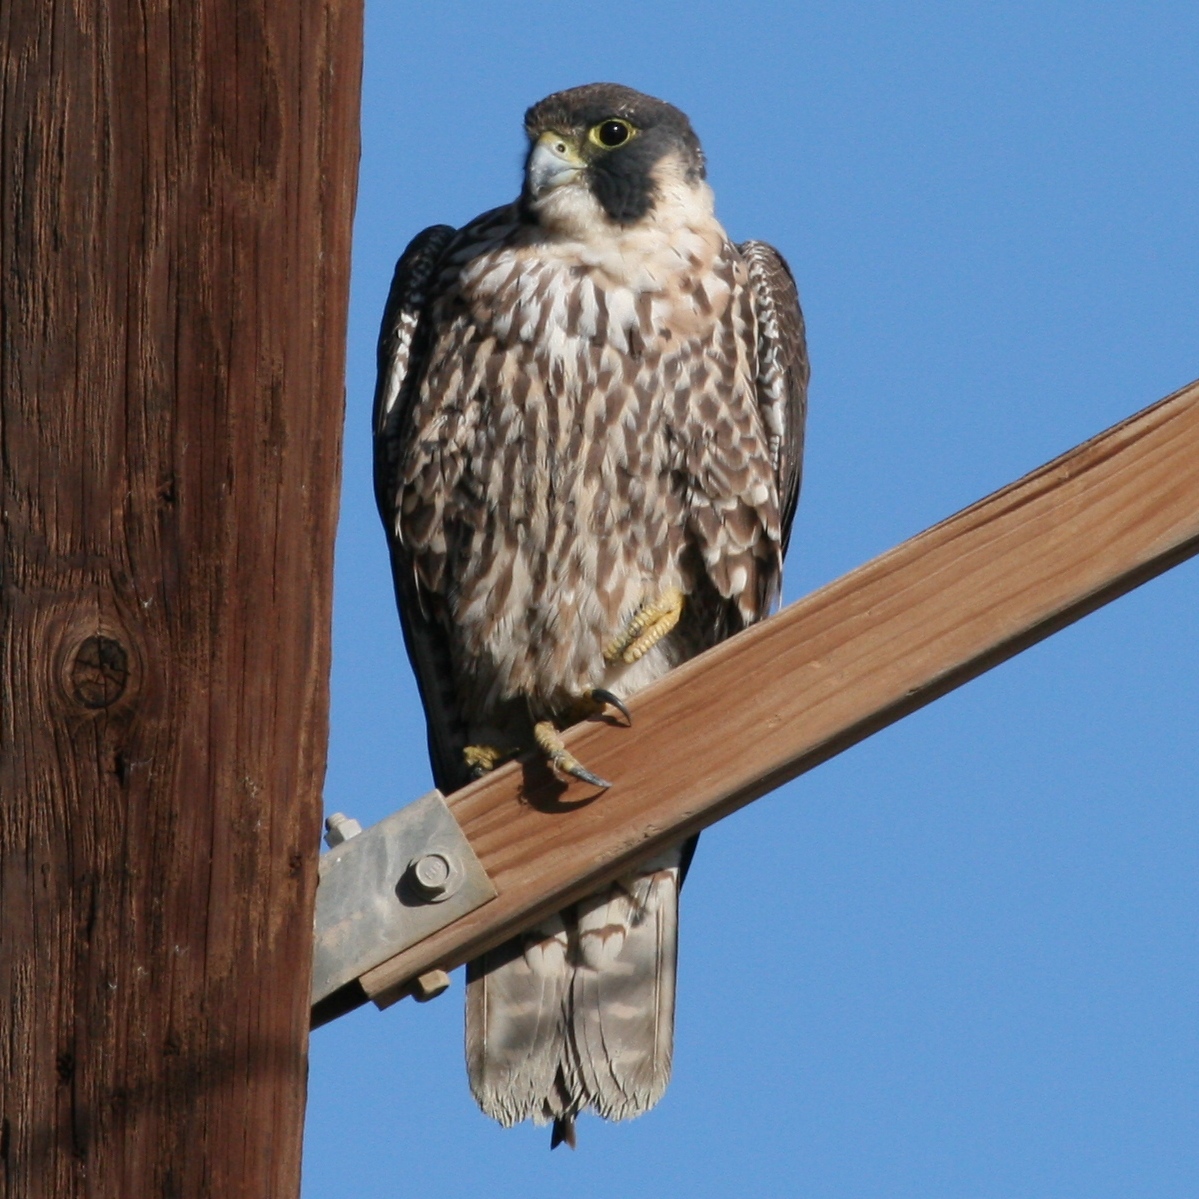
[431, 874]
[434, 876]
[430, 985]
[339, 827]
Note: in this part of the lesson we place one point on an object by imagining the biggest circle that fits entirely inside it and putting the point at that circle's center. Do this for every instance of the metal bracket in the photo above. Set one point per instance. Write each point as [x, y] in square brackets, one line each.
[389, 887]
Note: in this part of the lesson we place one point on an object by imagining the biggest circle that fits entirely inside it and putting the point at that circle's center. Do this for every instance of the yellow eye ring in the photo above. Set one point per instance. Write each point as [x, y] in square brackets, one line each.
[611, 133]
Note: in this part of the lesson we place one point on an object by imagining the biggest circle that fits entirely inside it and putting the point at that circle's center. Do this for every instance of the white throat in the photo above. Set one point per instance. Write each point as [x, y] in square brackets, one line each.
[571, 212]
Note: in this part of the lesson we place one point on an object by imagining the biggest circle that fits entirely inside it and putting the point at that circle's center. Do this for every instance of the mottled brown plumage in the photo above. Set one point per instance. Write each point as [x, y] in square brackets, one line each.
[588, 399]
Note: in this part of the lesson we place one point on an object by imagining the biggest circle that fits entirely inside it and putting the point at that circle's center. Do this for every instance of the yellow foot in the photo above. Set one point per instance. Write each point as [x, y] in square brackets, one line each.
[561, 761]
[593, 703]
[650, 624]
[484, 758]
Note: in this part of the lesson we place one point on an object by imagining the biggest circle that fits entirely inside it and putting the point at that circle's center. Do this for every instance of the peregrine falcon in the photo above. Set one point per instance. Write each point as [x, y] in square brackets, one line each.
[588, 432]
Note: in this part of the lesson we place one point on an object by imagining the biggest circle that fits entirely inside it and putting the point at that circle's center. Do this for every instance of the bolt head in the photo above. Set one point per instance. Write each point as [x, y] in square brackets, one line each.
[431, 872]
[434, 876]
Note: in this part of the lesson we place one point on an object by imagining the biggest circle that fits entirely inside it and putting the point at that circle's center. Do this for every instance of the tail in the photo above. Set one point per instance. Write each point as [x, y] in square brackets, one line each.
[579, 1012]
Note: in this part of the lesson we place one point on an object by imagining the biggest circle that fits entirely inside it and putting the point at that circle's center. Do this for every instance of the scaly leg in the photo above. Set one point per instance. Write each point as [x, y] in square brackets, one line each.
[481, 759]
[549, 739]
[562, 761]
[650, 624]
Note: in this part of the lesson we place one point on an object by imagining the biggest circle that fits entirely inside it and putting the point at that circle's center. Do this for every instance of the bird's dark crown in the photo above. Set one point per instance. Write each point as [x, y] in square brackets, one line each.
[622, 179]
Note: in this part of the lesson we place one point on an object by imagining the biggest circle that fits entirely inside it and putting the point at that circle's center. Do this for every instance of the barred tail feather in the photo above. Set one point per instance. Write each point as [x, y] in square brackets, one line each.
[579, 1012]
[516, 1028]
[622, 992]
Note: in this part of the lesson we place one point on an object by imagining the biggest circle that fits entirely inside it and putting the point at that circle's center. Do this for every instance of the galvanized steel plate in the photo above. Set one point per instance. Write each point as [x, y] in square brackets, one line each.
[369, 904]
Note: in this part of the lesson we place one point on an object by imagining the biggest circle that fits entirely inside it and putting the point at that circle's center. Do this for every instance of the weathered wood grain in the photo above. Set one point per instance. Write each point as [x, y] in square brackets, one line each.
[828, 671]
[176, 191]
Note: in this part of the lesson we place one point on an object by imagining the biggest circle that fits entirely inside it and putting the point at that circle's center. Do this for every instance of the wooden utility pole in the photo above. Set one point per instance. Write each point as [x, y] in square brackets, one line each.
[176, 189]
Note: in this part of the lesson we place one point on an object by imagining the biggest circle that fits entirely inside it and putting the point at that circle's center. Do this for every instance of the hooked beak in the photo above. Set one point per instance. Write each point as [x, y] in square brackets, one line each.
[554, 161]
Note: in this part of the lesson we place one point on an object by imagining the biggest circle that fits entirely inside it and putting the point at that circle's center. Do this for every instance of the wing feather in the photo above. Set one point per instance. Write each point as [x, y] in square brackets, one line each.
[404, 340]
[783, 369]
[402, 349]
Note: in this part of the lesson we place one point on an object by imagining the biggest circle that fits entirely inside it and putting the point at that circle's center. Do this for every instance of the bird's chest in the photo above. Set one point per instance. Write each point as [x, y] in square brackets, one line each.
[578, 372]
[548, 477]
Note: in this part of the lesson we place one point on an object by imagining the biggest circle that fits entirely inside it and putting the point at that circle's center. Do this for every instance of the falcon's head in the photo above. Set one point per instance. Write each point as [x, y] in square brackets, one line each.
[608, 154]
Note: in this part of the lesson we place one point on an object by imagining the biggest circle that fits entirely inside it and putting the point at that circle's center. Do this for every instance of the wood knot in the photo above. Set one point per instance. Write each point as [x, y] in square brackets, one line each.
[99, 672]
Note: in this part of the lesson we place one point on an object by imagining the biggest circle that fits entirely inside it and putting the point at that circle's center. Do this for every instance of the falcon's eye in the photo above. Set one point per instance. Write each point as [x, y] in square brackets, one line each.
[611, 133]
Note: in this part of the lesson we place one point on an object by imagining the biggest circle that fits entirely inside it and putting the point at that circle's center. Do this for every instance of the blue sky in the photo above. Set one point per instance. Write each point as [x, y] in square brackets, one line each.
[967, 967]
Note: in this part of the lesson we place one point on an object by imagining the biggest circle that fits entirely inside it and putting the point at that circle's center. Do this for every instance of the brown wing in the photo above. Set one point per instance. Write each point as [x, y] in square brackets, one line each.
[404, 341]
[782, 369]
[403, 344]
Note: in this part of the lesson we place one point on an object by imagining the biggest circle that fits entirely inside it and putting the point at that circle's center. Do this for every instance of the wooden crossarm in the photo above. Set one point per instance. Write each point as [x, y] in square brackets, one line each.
[827, 672]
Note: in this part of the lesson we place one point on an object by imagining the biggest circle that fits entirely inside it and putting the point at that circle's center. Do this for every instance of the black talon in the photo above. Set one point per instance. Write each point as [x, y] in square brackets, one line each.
[584, 775]
[613, 701]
